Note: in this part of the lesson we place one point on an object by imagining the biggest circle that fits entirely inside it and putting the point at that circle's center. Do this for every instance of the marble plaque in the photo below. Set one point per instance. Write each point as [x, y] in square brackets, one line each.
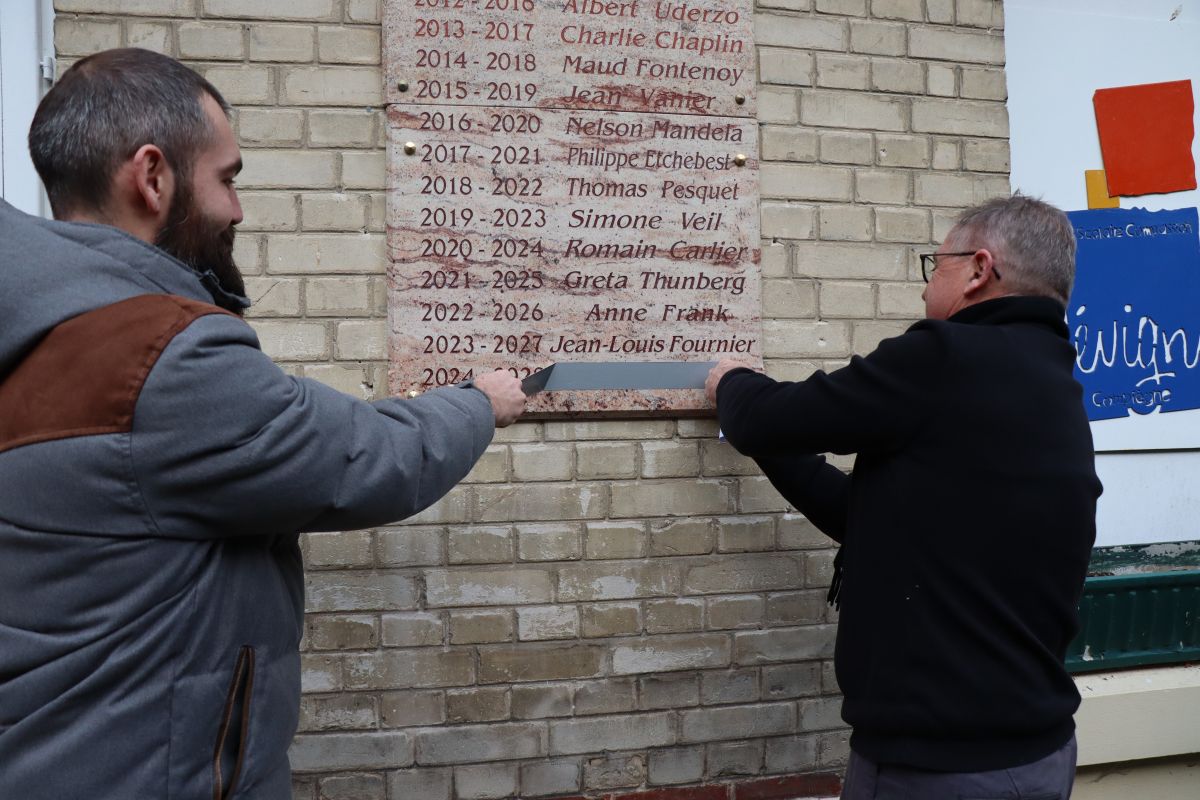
[524, 233]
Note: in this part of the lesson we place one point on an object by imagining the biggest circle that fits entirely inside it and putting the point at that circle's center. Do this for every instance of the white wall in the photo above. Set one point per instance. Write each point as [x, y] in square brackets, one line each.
[26, 33]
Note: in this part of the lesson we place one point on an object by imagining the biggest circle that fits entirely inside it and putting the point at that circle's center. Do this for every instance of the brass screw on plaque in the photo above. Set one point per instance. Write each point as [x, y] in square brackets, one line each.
[410, 148]
[413, 393]
[740, 99]
[740, 160]
[402, 86]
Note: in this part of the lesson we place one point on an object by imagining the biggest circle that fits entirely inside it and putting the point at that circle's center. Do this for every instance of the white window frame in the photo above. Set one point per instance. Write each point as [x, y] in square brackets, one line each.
[26, 72]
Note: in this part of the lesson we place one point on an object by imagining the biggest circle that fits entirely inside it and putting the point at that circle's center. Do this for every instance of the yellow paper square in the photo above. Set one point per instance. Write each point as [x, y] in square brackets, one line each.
[1097, 190]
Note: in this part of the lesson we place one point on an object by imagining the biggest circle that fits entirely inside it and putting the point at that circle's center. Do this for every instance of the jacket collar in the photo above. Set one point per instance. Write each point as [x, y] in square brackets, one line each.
[1016, 309]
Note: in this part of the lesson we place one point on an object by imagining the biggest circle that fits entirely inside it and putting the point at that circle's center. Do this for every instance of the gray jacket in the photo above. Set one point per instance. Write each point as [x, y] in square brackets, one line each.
[156, 469]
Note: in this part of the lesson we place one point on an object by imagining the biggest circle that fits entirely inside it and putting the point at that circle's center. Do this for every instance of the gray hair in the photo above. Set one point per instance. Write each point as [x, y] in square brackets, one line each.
[1033, 243]
[103, 109]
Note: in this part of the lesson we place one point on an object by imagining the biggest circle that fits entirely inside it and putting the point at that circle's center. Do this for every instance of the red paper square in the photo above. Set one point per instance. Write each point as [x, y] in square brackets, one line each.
[1146, 137]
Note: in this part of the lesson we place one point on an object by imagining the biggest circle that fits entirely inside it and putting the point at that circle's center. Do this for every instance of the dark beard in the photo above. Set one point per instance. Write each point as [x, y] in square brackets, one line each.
[201, 244]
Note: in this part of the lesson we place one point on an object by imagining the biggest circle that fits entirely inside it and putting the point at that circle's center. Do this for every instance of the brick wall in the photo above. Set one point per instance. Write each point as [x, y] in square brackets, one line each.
[603, 606]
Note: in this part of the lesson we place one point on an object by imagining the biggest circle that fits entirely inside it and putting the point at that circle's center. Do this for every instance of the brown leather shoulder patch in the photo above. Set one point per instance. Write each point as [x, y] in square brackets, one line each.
[85, 376]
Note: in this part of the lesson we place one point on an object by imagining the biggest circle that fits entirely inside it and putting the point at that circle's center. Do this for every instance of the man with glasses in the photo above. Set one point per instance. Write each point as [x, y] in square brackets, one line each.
[966, 524]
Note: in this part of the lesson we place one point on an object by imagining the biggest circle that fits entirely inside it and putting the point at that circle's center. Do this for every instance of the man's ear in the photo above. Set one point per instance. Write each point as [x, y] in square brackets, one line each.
[982, 264]
[153, 181]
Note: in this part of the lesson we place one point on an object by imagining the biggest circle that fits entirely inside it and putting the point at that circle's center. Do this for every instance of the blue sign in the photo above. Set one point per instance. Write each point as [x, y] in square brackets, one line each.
[1134, 315]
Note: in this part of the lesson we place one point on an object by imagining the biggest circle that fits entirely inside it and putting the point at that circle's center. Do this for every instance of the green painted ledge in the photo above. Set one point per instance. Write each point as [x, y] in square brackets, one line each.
[1140, 606]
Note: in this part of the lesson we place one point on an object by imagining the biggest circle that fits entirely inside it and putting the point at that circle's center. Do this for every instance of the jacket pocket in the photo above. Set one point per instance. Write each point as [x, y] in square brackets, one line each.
[233, 734]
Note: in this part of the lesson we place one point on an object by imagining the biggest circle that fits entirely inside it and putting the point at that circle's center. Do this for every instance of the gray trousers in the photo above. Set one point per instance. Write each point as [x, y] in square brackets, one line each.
[1050, 778]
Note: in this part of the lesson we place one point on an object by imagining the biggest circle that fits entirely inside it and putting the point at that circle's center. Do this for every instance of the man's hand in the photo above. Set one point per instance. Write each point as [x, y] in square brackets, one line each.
[508, 401]
[716, 373]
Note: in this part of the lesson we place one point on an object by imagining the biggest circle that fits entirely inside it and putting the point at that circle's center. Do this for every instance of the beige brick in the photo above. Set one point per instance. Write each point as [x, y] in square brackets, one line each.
[718, 458]
[333, 86]
[781, 143]
[344, 590]
[791, 680]
[847, 147]
[956, 46]
[941, 80]
[273, 297]
[670, 498]
[898, 9]
[606, 460]
[984, 84]
[801, 33]
[339, 713]
[745, 534]
[341, 128]
[605, 697]
[849, 8]
[986, 155]
[481, 627]
[615, 540]
[290, 43]
[155, 36]
[616, 581]
[796, 608]
[320, 673]
[853, 300]
[842, 72]
[788, 221]
[212, 41]
[82, 37]
[945, 155]
[431, 784]
[798, 533]
[784, 644]
[737, 722]
[677, 615]
[788, 5]
[981, 13]
[745, 573]
[609, 430]
[340, 45]
[293, 341]
[342, 631]
[893, 75]
[327, 752]
[681, 537]
[881, 186]
[736, 611]
[377, 215]
[878, 38]
[337, 549]
[787, 67]
[549, 502]
[777, 105]
[943, 221]
[326, 253]
[610, 619]
[411, 547]
[555, 542]
[414, 629]
[794, 338]
[957, 191]
[351, 380]
[536, 623]
[269, 127]
[283, 169]
[543, 462]
[247, 253]
[612, 733]
[242, 86]
[940, 11]
[337, 297]
[476, 743]
[529, 663]
[271, 9]
[789, 299]
[335, 211]
[486, 545]
[363, 10]
[803, 182]
[453, 507]
[775, 263]
[154, 8]
[363, 171]
[492, 467]
[560, 776]
[487, 587]
[841, 110]
[670, 459]
[268, 211]
[476, 705]
[538, 702]
[902, 225]
[846, 223]
[899, 150]
[792, 370]
[868, 335]
[366, 339]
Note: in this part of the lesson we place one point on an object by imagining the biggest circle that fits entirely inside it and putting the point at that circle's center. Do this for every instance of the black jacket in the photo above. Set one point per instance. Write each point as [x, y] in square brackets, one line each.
[966, 527]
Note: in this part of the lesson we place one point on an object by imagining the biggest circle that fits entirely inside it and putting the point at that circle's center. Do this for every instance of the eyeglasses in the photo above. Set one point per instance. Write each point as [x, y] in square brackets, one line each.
[929, 263]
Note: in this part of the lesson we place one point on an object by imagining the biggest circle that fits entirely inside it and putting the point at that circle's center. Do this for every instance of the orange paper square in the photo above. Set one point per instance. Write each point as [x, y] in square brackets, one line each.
[1146, 137]
[1097, 190]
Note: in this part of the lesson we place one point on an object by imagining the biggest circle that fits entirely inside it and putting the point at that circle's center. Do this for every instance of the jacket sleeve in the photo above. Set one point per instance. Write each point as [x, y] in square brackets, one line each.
[818, 490]
[224, 442]
[875, 403]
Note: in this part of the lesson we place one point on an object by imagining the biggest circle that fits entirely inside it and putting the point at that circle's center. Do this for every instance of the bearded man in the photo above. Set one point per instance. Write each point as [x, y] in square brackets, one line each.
[156, 468]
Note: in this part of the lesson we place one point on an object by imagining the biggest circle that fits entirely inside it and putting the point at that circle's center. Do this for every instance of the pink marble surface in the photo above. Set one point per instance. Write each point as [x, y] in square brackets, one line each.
[669, 56]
